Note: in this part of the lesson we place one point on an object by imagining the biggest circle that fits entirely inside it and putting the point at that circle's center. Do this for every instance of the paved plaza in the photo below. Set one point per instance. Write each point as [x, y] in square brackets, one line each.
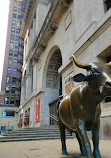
[47, 149]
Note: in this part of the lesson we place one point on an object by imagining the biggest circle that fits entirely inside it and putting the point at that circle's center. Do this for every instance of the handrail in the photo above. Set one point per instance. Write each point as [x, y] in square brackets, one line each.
[53, 117]
[7, 122]
[4, 123]
[23, 118]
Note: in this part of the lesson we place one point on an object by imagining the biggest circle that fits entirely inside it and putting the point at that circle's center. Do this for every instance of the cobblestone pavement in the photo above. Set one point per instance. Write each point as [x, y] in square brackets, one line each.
[47, 149]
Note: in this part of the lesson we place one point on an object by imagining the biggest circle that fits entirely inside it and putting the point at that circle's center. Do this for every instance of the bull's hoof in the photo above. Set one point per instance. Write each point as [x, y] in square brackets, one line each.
[83, 153]
[64, 152]
[96, 154]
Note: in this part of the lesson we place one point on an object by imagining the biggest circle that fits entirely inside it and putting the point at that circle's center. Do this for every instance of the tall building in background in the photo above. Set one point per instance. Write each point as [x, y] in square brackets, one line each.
[11, 78]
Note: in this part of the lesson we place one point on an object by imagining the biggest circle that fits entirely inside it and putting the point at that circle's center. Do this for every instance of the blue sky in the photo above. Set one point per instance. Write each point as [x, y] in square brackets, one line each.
[4, 9]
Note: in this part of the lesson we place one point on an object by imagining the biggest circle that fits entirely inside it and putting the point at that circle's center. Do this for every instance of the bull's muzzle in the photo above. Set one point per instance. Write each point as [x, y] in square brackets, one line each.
[108, 84]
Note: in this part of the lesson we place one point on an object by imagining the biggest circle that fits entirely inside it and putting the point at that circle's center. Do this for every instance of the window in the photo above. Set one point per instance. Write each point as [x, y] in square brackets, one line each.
[11, 100]
[11, 45]
[8, 80]
[9, 70]
[16, 46]
[14, 15]
[15, 2]
[19, 10]
[7, 89]
[18, 23]
[13, 30]
[6, 100]
[10, 61]
[17, 38]
[18, 31]
[10, 52]
[12, 37]
[19, 17]
[14, 79]
[13, 23]
[15, 61]
[107, 4]
[19, 4]
[68, 20]
[15, 9]
[16, 54]
[13, 90]
[8, 113]
[14, 71]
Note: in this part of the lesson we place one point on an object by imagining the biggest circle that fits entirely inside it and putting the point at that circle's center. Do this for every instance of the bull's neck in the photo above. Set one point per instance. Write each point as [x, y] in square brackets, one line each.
[92, 86]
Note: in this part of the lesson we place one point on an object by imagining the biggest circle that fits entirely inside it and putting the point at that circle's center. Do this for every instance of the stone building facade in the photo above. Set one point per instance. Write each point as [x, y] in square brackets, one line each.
[53, 31]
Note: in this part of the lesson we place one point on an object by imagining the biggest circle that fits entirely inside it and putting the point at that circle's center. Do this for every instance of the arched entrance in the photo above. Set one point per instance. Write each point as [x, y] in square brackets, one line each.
[54, 82]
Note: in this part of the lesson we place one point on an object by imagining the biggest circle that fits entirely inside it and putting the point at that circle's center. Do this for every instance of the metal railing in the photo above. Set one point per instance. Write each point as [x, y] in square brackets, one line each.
[23, 122]
[54, 118]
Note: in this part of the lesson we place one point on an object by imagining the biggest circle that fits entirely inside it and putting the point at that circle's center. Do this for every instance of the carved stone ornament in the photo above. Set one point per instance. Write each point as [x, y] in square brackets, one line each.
[42, 46]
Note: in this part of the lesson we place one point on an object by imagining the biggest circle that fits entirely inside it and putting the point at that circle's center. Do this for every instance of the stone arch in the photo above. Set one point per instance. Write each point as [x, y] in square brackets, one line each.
[52, 81]
[51, 53]
[52, 75]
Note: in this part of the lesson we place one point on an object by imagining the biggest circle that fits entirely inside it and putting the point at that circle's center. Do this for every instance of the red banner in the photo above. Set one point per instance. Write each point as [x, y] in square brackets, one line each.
[38, 110]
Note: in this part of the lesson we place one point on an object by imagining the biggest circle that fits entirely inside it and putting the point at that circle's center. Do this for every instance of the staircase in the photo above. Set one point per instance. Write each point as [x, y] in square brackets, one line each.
[41, 133]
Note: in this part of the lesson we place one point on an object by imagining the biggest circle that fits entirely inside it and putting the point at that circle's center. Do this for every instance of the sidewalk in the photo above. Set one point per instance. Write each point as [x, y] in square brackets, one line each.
[47, 149]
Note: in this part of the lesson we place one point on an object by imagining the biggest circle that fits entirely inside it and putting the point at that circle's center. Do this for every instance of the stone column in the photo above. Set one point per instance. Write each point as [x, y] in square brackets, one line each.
[23, 92]
[28, 85]
[34, 86]
[34, 27]
[41, 12]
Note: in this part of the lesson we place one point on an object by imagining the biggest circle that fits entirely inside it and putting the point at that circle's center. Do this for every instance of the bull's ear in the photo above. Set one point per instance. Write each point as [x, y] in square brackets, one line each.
[79, 78]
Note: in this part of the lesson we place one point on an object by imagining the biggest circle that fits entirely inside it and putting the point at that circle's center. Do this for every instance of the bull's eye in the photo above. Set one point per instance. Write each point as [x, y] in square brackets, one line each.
[92, 71]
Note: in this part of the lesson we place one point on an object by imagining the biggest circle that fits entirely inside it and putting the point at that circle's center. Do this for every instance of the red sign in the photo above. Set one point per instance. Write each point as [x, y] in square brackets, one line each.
[38, 110]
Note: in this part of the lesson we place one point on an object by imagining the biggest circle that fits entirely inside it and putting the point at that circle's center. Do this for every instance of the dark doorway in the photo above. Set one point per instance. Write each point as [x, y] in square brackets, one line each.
[53, 113]
[54, 83]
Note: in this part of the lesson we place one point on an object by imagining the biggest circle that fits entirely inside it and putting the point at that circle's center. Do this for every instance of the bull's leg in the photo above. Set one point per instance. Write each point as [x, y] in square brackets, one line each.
[83, 153]
[95, 138]
[63, 138]
[79, 124]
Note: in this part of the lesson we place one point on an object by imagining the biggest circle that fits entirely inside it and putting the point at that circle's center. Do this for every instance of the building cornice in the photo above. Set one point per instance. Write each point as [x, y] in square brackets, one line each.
[27, 17]
[49, 27]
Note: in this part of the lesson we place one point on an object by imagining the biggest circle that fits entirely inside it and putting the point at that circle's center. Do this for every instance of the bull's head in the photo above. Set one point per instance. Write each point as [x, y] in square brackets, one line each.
[98, 74]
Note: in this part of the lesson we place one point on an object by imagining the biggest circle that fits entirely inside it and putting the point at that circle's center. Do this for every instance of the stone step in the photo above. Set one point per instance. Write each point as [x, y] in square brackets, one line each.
[33, 134]
[30, 136]
[29, 139]
[35, 131]
[14, 134]
[39, 129]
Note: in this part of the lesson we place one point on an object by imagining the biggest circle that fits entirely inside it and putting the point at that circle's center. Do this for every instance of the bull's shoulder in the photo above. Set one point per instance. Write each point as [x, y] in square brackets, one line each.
[79, 87]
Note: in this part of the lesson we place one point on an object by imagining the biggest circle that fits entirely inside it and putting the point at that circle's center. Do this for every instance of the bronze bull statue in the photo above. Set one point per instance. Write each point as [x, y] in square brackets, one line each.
[80, 112]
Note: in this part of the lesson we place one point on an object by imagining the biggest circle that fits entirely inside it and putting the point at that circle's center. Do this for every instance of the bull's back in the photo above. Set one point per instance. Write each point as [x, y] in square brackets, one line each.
[65, 112]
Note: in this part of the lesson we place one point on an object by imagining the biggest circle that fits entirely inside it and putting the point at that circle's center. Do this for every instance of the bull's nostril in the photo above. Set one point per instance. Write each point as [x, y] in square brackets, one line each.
[108, 83]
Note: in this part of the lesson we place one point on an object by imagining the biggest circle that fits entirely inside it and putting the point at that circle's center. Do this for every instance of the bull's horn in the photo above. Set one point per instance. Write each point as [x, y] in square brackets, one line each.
[108, 64]
[81, 65]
